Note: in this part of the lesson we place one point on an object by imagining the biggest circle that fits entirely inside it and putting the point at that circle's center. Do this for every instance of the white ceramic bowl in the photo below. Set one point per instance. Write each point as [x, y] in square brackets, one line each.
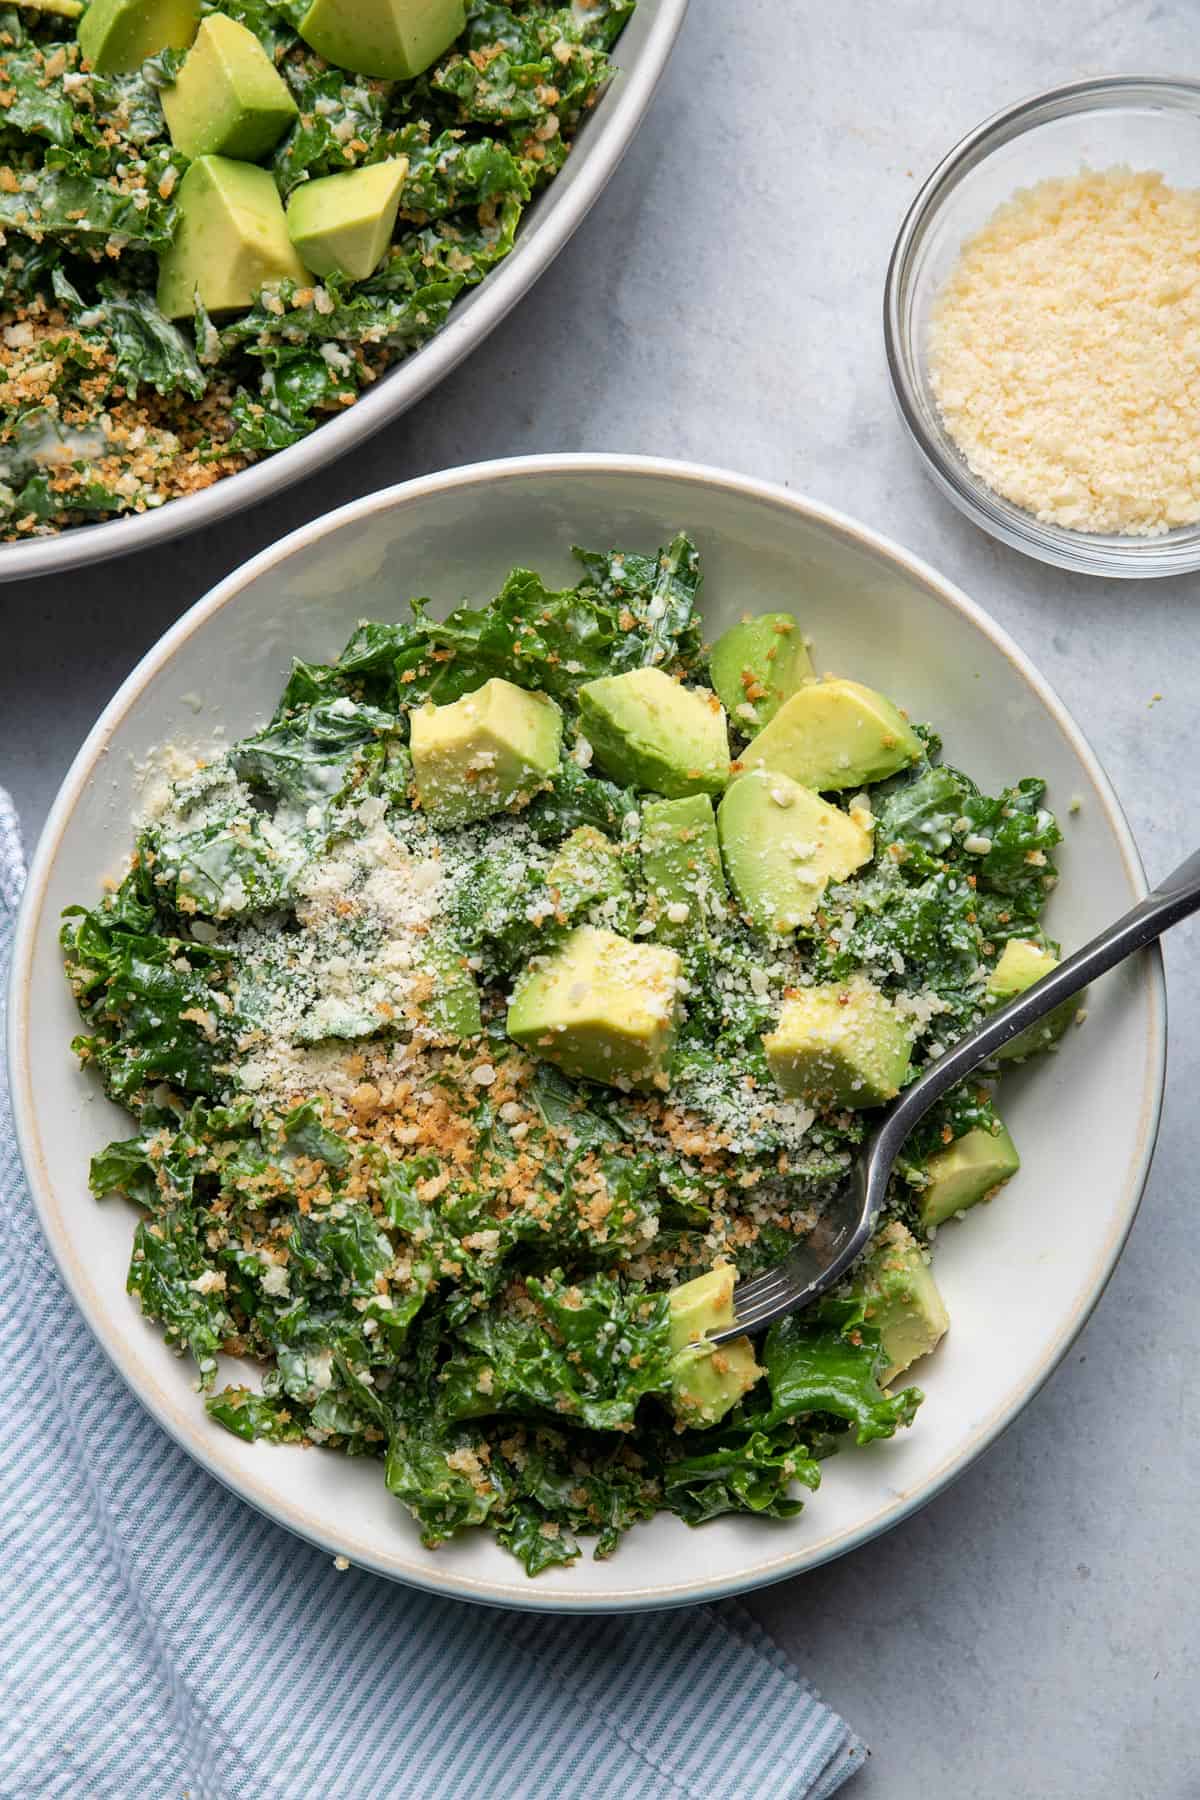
[639, 57]
[1020, 1276]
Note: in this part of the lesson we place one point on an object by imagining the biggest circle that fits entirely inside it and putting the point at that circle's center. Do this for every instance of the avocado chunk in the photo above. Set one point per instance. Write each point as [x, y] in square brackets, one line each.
[346, 221]
[965, 1172]
[395, 39]
[902, 1298]
[1021, 964]
[681, 866]
[588, 878]
[452, 1008]
[228, 99]
[230, 240]
[835, 734]
[489, 752]
[649, 732]
[843, 1045]
[707, 1379]
[782, 845]
[116, 36]
[758, 664]
[600, 1005]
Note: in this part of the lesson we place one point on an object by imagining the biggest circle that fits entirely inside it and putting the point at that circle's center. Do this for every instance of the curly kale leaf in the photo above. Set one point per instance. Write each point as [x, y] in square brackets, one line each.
[148, 350]
[297, 385]
[575, 798]
[275, 23]
[35, 106]
[154, 1005]
[923, 823]
[340, 123]
[585, 1351]
[309, 758]
[556, 639]
[169, 1274]
[745, 1470]
[448, 172]
[828, 1361]
[252, 1416]
[660, 592]
[365, 670]
[535, 1538]
[583, 1483]
[222, 871]
[440, 1478]
[83, 212]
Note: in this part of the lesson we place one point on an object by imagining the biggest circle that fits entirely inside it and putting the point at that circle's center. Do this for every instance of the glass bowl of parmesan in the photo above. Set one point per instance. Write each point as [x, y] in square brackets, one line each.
[1042, 325]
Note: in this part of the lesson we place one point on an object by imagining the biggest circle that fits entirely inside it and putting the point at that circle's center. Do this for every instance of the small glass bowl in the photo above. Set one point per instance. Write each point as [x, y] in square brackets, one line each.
[1145, 121]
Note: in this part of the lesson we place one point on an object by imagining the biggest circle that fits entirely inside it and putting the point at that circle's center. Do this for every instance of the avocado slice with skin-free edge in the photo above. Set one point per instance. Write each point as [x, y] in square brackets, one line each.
[116, 36]
[965, 1172]
[902, 1299]
[782, 845]
[707, 1379]
[1023, 963]
[842, 1045]
[230, 240]
[681, 866]
[345, 222]
[835, 734]
[650, 732]
[393, 39]
[758, 664]
[228, 98]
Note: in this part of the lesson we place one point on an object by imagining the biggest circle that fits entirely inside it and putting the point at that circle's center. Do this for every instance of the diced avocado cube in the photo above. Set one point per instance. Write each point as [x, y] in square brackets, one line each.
[452, 1008]
[230, 240]
[707, 1379]
[395, 39]
[782, 845]
[965, 1172]
[649, 732]
[835, 734]
[681, 866]
[902, 1298]
[601, 1006]
[116, 36]
[228, 99]
[587, 876]
[843, 1045]
[758, 664]
[489, 752]
[1022, 963]
[345, 222]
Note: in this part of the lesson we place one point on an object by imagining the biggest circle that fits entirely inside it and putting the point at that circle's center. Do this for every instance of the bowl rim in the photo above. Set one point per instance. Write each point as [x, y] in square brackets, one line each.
[170, 1409]
[561, 209]
[1114, 556]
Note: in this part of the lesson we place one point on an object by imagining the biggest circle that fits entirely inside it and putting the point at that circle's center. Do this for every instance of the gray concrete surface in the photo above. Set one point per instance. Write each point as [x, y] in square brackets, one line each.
[1031, 1635]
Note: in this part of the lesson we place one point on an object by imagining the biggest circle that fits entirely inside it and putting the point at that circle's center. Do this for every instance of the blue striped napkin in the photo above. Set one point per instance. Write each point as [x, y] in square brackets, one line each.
[158, 1638]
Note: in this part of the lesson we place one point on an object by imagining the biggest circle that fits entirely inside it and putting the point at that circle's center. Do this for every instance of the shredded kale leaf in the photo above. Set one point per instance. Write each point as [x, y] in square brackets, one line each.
[827, 1361]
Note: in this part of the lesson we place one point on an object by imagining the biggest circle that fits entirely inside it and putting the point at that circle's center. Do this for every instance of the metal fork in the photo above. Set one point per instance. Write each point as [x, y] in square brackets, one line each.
[843, 1234]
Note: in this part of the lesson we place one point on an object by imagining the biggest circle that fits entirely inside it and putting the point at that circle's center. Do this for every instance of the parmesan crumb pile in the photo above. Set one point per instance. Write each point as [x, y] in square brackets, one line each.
[1065, 352]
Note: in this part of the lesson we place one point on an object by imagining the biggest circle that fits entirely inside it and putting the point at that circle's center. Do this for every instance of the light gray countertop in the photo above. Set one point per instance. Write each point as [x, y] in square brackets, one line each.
[1033, 1632]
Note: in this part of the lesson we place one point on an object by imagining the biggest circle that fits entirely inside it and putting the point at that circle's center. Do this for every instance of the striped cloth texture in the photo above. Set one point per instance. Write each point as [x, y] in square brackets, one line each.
[159, 1638]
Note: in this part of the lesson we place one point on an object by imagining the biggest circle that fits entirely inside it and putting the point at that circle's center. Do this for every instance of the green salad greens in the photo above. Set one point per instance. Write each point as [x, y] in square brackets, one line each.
[491, 1008]
[112, 397]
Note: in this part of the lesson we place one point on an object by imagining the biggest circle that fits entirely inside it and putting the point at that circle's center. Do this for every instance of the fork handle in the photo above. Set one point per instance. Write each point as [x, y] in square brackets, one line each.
[1174, 899]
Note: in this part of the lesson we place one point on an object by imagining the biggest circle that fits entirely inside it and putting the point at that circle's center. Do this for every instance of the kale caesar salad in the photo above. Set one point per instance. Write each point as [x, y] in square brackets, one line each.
[526, 980]
[219, 226]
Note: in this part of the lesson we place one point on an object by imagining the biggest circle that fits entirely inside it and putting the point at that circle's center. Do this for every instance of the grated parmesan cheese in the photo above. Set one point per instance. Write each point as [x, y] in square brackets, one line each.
[1064, 352]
